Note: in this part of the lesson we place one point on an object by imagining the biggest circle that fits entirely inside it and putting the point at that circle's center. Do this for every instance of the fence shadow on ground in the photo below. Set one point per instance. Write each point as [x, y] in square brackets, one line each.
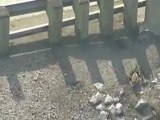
[93, 49]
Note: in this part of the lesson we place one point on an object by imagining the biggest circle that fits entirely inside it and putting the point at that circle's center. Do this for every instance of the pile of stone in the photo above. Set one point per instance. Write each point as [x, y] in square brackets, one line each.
[110, 108]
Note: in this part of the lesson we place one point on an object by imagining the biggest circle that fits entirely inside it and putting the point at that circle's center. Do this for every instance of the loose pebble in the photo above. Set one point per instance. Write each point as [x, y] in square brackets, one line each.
[119, 108]
[99, 86]
[97, 98]
[144, 108]
[154, 81]
[108, 99]
[121, 93]
[116, 99]
[104, 115]
[100, 107]
[141, 104]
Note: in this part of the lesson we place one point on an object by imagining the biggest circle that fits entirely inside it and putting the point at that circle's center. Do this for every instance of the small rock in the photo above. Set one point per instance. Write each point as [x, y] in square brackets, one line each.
[95, 99]
[40, 73]
[52, 107]
[53, 78]
[141, 104]
[144, 108]
[108, 99]
[112, 110]
[99, 86]
[119, 108]
[100, 107]
[23, 75]
[104, 115]
[116, 99]
[36, 77]
[121, 93]
[135, 119]
[141, 92]
[65, 74]
[155, 81]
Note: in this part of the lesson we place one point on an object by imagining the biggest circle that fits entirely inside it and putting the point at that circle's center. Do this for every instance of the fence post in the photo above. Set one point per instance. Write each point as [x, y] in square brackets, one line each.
[106, 16]
[152, 18]
[130, 16]
[55, 13]
[4, 31]
[81, 9]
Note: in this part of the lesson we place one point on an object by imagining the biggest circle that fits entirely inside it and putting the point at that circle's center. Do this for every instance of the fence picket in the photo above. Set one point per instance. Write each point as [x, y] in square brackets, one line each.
[152, 18]
[55, 13]
[106, 16]
[130, 16]
[81, 9]
[4, 31]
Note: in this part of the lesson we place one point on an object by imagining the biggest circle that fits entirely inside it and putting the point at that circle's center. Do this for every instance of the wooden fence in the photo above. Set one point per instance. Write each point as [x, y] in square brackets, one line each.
[54, 10]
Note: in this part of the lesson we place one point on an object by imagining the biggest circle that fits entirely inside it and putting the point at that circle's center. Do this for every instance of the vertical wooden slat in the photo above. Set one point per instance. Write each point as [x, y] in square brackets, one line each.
[130, 16]
[4, 31]
[55, 13]
[106, 16]
[152, 18]
[81, 9]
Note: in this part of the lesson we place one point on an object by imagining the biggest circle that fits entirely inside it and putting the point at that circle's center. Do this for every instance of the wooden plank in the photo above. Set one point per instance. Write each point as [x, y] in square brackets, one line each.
[81, 9]
[106, 17]
[26, 7]
[152, 18]
[28, 31]
[55, 13]
[32, 6]
[4, 31]
[130, 16]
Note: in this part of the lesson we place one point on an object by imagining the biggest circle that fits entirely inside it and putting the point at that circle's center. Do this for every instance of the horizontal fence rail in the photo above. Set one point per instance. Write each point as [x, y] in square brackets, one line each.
[40, 6]
[32, 6]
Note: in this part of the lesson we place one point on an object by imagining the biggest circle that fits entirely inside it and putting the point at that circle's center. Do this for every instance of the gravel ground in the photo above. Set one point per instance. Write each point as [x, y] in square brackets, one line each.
[57, 84]
[34, 87]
